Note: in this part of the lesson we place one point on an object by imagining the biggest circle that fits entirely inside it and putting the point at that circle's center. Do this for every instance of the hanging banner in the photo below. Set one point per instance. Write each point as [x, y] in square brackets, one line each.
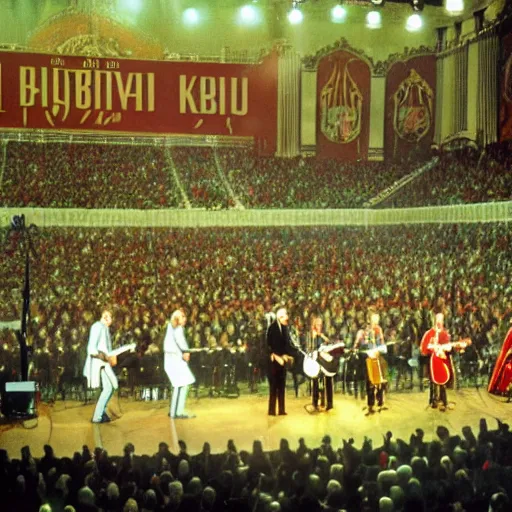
[343, 106]
[151, 97]
[410, 91]
[506, 89]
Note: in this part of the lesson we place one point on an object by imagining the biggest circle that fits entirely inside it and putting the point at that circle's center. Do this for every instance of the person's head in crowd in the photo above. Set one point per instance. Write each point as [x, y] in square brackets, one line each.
[149, 501]
[404, 474]
[499, 502]
[208, 498]
[336, 472]
[175, 492]
[85, 496]
[386, 504]
[131, 506]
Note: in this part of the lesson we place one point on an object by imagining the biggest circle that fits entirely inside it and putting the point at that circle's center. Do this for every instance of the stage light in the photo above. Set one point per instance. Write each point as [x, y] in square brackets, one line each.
[190, 16]
[295, 16]
[417, 5]
[454, 6]
[414, 23]
[373, 19]
[338, 13]
[134, 6]
[248, 15]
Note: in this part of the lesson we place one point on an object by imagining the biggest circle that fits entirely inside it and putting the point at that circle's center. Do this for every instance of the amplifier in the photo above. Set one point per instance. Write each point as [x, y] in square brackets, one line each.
[19, 400]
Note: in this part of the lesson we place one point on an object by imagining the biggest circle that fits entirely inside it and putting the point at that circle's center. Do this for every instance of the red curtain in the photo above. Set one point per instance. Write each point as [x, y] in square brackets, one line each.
[506, 89]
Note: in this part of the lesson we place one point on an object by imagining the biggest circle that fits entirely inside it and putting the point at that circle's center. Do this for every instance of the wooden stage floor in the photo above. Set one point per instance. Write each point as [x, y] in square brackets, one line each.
[66, 425]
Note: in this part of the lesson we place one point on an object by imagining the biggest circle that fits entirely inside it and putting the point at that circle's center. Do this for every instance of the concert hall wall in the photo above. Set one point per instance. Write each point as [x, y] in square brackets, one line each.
[506, 89]
[410, 107]
[343, 106]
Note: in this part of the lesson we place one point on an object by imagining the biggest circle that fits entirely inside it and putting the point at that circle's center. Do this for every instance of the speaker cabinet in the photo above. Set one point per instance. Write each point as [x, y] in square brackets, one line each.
[19, 400]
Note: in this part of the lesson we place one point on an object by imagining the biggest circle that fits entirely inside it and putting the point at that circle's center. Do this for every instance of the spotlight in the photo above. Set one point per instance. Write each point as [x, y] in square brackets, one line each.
[190, 16]
[295, 16]
[373, 19]
[454, 6]
[414, 23]
[417, 5]
[338, 13]
[248, 15]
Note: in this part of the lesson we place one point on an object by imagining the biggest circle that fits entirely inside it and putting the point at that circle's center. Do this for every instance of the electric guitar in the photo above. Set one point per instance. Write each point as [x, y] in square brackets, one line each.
[111, 357]
[440, 366]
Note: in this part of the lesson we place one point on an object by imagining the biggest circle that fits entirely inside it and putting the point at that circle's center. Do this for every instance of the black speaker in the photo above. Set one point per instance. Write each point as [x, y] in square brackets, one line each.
[19, 400]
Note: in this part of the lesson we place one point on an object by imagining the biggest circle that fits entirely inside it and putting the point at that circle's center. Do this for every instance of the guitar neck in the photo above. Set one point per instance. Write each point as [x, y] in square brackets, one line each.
[328, 348]
[120, 350]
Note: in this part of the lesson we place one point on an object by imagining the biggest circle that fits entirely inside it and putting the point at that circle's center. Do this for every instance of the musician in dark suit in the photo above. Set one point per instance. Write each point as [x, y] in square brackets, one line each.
[278, 341]
[322, 386]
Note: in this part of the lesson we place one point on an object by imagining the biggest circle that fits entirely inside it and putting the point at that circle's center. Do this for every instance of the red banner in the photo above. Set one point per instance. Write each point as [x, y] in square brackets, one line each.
[506, 89]
[343, 119]
[410, 104]
[152, 97]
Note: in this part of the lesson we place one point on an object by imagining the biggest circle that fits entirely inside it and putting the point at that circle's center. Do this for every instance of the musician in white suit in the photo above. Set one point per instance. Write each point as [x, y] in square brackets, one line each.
[176, 358]
[97, 368]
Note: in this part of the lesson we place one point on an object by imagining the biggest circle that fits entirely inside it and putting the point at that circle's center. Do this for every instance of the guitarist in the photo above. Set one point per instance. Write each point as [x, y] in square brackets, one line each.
[98, 365]
[432, 345]
[323, 385]
[370, 340]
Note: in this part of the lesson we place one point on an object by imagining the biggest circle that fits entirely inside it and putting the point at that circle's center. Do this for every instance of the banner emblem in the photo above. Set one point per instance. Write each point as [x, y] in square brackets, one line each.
[341, 105]
[412, 108]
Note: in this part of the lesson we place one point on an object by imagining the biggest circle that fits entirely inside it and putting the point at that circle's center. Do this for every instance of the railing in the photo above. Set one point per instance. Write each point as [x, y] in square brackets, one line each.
[463, 213]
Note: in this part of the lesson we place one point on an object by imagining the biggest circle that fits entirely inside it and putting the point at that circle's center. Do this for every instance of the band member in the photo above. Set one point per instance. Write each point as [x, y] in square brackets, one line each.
[322, 387]
[432, 346]
[176, 359]
[278, 341]
[97, 368]
[501, 378]
[371, 341]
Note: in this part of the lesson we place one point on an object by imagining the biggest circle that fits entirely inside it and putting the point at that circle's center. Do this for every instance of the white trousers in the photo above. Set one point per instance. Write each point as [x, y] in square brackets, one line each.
[108, 385]
[179, 396]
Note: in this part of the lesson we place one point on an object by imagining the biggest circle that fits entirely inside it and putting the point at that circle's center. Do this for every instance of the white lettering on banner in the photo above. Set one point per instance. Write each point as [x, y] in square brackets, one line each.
[207, 95]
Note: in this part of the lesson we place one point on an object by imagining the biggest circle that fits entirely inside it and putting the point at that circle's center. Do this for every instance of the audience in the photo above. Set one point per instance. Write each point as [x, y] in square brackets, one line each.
[447, 473]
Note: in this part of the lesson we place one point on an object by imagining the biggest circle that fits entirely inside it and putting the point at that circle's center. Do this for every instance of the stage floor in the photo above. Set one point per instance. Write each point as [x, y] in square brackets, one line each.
[66, 425]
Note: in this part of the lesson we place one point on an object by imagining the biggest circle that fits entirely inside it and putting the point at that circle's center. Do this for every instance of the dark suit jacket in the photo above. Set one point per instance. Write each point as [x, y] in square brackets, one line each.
[278, 339]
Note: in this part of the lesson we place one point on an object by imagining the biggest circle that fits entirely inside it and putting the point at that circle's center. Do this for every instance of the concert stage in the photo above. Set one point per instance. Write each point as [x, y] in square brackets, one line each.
[66, 425]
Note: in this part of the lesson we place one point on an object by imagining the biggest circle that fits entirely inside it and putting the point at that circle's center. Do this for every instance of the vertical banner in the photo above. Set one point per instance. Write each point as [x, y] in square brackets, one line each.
[343, 113]
[506, 89]
[410, 107]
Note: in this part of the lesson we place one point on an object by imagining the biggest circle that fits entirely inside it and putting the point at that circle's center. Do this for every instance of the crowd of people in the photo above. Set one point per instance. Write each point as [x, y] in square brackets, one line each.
[461, 177]
[61, 175]
[97, 175]
[227, 279]
[468, 472]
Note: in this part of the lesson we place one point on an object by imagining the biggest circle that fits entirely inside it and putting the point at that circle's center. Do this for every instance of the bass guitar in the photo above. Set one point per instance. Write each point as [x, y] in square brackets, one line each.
[440, 366]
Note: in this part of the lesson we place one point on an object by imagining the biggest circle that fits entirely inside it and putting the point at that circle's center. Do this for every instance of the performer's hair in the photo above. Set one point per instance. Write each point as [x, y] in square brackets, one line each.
[280, 312]
[176, 313]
